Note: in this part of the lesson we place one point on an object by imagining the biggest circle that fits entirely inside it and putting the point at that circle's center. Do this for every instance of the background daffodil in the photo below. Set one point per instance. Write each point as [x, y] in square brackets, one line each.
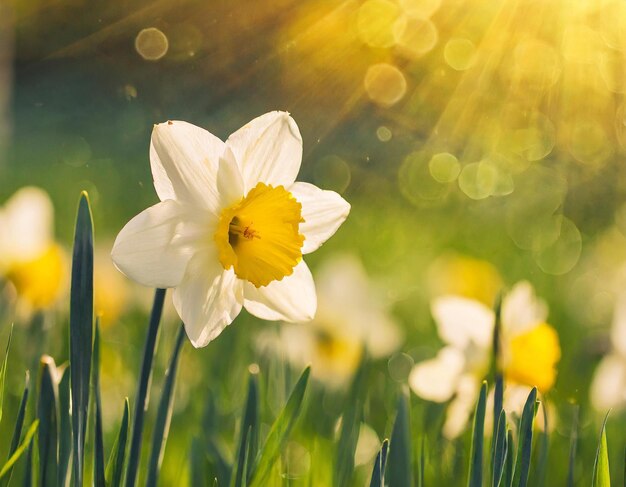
[608, 388]
[30, 259]
[352, 317]
[232, 225]
[530, 351]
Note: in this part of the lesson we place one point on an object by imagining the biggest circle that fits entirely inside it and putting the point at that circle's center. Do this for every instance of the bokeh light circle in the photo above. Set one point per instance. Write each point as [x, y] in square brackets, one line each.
[332, 172]
[444, 167]
[151, 44]
[416, 37]
[384, 84]
[459, 53]
[376, 21]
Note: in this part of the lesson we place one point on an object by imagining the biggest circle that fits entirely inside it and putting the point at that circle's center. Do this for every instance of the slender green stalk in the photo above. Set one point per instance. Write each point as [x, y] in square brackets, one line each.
[141, 400]
[98, 451]
[164, 413]
[19, 424]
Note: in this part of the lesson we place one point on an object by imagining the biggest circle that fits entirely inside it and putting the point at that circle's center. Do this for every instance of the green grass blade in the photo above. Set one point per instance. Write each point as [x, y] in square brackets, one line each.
[141, 401]
[65, 429]
[279, 433]
[524, 447]
[509, 465]
[115, 465]
[8, 466]
[81, 331]
[400, 449]
[350, 427]
[249, 440]
[19, 424]
[47, 413]
[164, 412]
[422, 462]
[98, 451]
[498, 399]
[27, 481]
[601, 475]
[499, 450]
[3, 370]
[378, 475]
[475, 478]
[572, 448]
[543, 443]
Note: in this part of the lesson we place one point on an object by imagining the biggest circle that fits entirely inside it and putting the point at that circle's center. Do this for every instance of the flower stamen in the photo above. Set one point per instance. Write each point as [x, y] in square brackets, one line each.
[259, 235]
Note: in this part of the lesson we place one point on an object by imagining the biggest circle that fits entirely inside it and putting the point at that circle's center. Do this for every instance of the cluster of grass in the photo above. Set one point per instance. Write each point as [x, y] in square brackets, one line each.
[53, 449]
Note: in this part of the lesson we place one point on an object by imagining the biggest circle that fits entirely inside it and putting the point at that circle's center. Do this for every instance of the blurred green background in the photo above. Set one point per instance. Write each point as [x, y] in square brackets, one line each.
[456, 129]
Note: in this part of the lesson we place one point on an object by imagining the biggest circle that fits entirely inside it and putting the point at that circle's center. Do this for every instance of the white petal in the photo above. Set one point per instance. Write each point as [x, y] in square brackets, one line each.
[208, 299]
[461, 321]
[268, 150]
[291, 299]
[522, 310]
[608, 388]
[155, 246]
[229, 180]
[461, 407]
[27, 225]
[436, 379]
[323, 212]
[184, 161]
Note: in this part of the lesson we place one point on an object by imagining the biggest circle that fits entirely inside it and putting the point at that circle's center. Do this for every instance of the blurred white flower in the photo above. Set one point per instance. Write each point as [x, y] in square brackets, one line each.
[351, 316]
[232, 225]
[30, 259]
[608, 388]
[529, 351]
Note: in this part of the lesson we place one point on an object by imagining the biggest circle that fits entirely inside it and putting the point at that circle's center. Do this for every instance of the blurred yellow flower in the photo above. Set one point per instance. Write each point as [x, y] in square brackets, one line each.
[464, 276]
[351, 317]
[529, 347]
[30, 260]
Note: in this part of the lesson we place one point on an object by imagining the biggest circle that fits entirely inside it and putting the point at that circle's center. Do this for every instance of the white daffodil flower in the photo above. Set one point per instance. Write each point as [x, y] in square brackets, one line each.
[529, 351]
[608, 388]
[30, 259]
[232, 225]
[352, 316]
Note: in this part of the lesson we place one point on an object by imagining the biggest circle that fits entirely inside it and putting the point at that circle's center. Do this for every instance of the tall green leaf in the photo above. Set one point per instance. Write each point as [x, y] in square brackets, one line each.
[601, 475]
[249, 437]
[509, 464]
[15, 456]
[115, 465]
[3, 370]
[98, 451]
[141, 401]
[499, 450]
[400, 448]
[350, 427]
[164, 413]
[378, 475]
[81, 330]
[279, 433]
[27, 481]
[475, 478]
[524, 447]
[17, 430]
[65, 427]
[47, 413]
